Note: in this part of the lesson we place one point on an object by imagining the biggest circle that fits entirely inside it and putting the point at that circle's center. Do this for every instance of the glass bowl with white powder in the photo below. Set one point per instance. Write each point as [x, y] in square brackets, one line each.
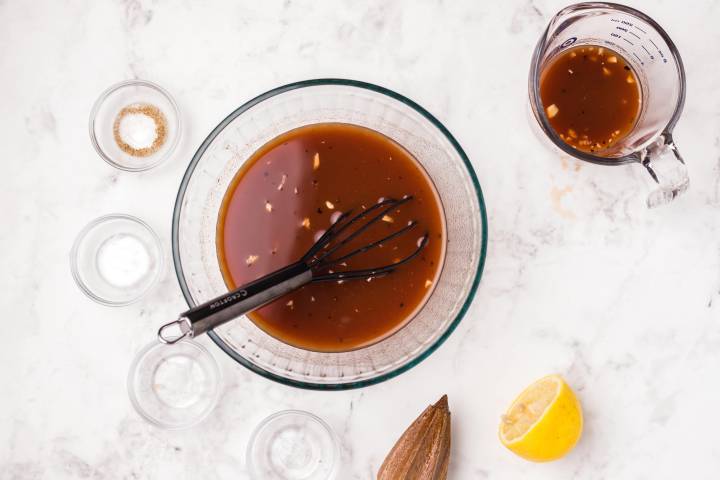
[116, 259]
[135, 125]
[174, 386]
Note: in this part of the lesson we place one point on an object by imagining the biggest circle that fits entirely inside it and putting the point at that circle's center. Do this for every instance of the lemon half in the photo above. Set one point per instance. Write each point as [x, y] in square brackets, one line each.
[544, 422]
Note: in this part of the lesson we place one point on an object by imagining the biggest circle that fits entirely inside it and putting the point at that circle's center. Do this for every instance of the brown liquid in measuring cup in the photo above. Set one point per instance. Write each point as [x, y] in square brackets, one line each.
[591, 96]
[289, 192]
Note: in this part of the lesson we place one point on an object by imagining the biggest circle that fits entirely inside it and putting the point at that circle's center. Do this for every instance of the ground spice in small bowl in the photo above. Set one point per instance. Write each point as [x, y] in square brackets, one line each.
[135, 125]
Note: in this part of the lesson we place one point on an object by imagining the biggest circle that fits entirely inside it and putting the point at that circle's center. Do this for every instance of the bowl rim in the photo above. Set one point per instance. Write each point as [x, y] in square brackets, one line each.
[314, 83]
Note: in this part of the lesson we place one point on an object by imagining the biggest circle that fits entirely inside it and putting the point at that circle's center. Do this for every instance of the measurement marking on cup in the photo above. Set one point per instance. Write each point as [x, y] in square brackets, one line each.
[643, 31]
[652, 57]
[634, 35]
[568, 42]
[660, 52]
[631, 43]
[639, 59]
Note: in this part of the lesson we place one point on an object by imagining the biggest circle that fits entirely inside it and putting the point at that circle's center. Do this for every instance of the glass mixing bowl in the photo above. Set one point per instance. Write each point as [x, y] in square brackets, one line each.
[285, 108]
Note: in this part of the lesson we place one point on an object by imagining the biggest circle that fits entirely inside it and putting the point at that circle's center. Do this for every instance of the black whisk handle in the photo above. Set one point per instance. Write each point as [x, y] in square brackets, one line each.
[236, 303]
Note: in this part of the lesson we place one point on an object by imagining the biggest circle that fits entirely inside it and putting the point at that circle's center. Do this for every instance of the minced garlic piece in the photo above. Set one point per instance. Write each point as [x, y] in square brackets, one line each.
[552, 110]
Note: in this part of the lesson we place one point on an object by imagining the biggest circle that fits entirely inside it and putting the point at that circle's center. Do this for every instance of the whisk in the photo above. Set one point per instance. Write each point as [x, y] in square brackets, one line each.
[315, 266]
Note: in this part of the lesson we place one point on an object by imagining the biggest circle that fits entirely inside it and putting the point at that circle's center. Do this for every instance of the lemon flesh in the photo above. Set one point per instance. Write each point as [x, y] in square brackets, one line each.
[544, 422]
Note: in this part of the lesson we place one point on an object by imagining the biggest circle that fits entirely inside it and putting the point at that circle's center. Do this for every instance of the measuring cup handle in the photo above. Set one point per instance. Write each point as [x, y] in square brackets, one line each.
[667, 169]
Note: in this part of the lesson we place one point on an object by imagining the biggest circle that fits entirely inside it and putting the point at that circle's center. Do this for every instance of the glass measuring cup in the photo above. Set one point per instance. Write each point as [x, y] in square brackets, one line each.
[659, 69]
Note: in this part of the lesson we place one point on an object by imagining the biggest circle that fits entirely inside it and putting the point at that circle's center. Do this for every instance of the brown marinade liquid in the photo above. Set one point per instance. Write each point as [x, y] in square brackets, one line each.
[289, 192]
[591, 96]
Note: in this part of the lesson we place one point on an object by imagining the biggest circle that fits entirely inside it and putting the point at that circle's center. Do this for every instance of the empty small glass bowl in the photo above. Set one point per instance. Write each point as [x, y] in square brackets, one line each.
[293, 445]
[174, 386]
[135, 125]
[116, 259]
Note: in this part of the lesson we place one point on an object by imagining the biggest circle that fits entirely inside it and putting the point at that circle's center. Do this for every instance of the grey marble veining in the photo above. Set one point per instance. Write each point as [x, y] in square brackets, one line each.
[580, 279]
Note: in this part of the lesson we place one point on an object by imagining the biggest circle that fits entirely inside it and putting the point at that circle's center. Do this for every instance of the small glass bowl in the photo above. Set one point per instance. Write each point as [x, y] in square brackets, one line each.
[174, 386]
[105, 116]
[116, 259]
[293, 445]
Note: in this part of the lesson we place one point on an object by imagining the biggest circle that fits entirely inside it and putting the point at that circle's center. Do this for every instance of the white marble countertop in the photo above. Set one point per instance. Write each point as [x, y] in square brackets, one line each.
[580, 279]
